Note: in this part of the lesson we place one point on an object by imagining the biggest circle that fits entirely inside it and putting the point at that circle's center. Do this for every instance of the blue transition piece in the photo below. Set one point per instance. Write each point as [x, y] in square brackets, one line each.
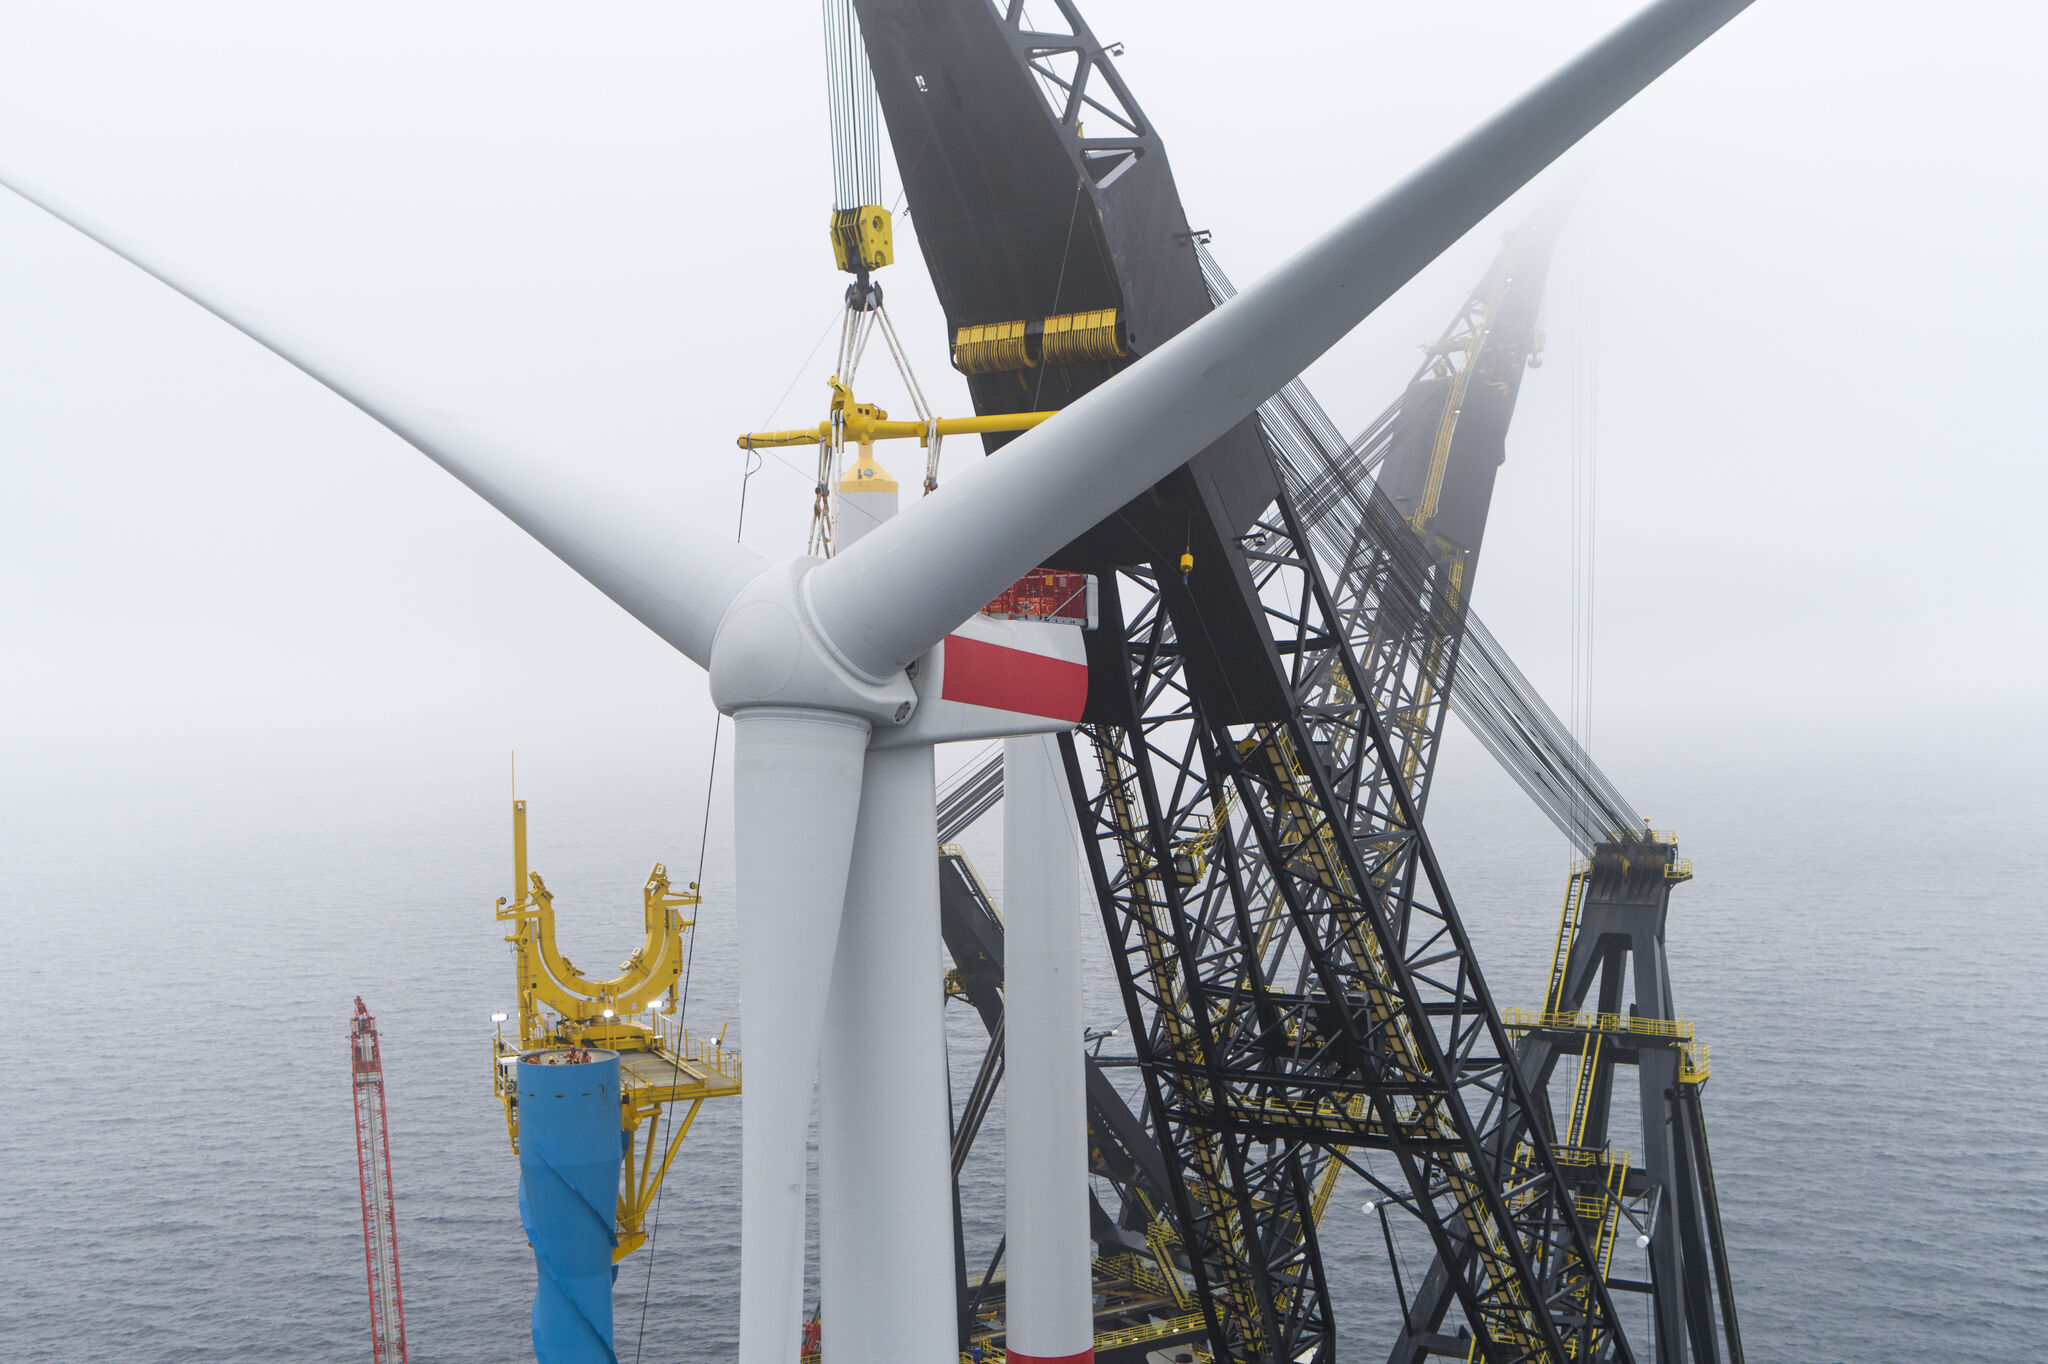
[569, 1155]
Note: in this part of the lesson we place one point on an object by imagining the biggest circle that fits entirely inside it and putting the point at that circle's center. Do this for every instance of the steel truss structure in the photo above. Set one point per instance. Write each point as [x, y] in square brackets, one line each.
[1263, 733]
[1308, 989]
[1611, 933]
[373, 1167]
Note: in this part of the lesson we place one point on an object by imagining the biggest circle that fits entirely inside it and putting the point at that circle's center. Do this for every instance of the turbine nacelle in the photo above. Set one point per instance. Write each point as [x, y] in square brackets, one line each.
[992, 679]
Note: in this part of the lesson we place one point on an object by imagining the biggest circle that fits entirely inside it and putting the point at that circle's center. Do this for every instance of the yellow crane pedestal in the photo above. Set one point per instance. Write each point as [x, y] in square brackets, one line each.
[632, 1013]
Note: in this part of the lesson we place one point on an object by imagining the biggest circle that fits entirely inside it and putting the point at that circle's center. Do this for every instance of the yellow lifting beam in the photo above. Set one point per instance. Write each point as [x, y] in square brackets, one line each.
[863, 423]
[659, 1063]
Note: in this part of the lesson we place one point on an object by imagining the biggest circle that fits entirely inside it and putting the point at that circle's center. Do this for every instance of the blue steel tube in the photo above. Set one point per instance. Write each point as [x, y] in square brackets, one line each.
[569, 1153]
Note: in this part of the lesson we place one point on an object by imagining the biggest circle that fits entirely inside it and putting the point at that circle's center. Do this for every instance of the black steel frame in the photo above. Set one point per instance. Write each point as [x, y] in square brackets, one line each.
[1310, 989]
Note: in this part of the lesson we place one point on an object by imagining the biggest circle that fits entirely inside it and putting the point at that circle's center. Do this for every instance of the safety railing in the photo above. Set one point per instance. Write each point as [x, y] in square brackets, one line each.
[1518, 1019]
[1190, 1324]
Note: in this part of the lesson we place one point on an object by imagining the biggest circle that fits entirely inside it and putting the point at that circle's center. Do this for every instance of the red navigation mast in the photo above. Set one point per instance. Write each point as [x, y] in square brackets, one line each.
[380, 1222]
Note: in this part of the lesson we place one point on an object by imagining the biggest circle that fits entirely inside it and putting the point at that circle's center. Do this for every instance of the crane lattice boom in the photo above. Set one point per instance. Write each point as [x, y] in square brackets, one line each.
[373, 1161]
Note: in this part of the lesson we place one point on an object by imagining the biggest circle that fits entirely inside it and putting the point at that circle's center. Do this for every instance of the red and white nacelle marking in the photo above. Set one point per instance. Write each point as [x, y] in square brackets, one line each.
[991, 678]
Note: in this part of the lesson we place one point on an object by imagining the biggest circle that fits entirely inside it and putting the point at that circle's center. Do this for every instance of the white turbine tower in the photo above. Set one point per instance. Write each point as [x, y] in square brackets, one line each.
[818, 664]
[1048, 1298]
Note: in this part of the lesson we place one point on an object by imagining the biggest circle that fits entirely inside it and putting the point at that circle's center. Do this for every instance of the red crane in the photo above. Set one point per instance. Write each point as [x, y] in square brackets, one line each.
[380, 1222]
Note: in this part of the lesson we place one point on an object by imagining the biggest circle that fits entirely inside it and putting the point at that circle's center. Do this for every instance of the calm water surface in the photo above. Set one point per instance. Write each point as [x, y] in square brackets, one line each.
[1863, 949]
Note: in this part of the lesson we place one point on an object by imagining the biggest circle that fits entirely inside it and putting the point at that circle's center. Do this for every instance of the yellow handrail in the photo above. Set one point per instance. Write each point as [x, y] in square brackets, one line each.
[1518, 1019]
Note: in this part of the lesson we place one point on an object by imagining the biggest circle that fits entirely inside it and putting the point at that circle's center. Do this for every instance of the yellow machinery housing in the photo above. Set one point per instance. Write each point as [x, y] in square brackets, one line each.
[659, 1063]
[1068, 339]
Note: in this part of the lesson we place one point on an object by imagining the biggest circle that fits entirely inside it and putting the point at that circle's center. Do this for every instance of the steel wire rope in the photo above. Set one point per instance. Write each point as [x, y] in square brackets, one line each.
[1066, 251]
[753, 466]
[1492, 695]
[1585, 506]
[780, 458]
[852, 110]
[843, 61]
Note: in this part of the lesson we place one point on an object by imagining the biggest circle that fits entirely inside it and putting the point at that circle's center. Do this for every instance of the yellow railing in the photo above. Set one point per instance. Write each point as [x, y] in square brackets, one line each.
[1153, 1330]
[714, 1055]
[1575, 1155]
[1567, 930]
[1692, 1063]
[1518, 1019]
[1160, 1236]
[1582, 1092]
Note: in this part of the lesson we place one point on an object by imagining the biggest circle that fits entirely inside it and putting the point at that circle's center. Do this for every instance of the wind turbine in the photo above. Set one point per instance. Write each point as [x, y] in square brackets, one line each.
[815, 661]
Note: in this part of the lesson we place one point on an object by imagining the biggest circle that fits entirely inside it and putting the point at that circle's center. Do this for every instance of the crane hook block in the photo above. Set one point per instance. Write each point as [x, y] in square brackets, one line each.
[862, 239]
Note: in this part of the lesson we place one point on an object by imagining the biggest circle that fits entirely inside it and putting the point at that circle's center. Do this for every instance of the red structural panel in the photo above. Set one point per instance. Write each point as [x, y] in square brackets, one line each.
[983, 674]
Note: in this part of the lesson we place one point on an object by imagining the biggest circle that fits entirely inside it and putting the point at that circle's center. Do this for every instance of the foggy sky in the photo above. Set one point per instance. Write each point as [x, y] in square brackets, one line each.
[1810, 256]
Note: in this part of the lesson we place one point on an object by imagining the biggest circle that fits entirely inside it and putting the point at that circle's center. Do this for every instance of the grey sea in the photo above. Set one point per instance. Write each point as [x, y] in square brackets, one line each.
[1863, 948]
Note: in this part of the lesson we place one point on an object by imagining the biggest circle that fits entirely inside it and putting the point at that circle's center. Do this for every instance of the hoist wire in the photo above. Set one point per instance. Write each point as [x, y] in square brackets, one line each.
[862, 333]
[752, 467]
[1585, 438]
[860, 327]
[1349, 519]
[853, 110]
[901, 356]
[1073, 212]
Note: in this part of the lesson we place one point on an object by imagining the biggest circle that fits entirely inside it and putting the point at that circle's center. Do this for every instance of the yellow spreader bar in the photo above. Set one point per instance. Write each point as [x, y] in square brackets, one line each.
[861, 429]
[862, 423]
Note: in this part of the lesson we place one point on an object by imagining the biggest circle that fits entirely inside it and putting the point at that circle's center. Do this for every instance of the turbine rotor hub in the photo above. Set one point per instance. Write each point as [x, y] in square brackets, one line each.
[769, 651]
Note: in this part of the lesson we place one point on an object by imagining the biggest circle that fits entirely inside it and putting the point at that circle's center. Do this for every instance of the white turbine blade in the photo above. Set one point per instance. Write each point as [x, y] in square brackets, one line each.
[671, 576]
[887, 599]
[796, 796]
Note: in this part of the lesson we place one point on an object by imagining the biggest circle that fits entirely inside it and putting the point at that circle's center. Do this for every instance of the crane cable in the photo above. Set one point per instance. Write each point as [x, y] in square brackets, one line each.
[1585, 506]
[854, 115]
[1585, 463]
[853, 110]
[752, 467]
[864, 317]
